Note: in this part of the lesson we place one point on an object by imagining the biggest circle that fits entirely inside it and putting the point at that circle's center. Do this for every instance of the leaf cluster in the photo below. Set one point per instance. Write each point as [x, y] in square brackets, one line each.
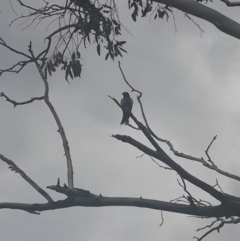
[101, 22]
[146, 8]
[72, 67]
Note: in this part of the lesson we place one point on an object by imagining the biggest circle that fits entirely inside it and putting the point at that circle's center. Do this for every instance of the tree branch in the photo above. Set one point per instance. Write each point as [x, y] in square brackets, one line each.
[2, 42]
[204, 12]
[209, 164]
[162, 156]
[57, 119]
[218, 227]
[85, 198]
[231, 4]
[15, 168]
[15, 103]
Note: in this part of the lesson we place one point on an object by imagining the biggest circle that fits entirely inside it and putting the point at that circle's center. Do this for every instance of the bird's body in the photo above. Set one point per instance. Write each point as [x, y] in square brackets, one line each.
[126, 104]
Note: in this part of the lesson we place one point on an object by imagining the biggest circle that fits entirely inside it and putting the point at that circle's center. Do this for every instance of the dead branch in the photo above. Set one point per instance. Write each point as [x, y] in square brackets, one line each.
[217, 228]
[209, 158]
[15, 168]
[163, 157]
[84, 198]
[210, 165]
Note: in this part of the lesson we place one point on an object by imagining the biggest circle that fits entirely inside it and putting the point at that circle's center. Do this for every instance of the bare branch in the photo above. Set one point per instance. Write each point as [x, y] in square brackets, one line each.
[61, 29]
[15, 103]
[217, 228]
[12, 7]
[57, 119]
[81, 197]
[209, 158]
[218, 185]
[231, 4]
[166, 168]
[190, 198]
[176, 153]
[199, 27]
[133, 127]
[162, 219]
[3, 43]
[163, 157]
[185, 156]
[204, 12]
[16, 68]
[15, 168]
[132, 89]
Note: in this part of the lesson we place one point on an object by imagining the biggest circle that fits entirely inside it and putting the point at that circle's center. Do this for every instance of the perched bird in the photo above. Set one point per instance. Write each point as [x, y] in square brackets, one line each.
[126, 104]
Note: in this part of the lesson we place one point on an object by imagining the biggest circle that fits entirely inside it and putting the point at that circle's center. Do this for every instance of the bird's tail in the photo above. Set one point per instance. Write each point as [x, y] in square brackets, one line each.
[125, 119]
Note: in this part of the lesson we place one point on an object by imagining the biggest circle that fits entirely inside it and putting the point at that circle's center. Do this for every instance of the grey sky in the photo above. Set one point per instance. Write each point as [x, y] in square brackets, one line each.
[190, 88]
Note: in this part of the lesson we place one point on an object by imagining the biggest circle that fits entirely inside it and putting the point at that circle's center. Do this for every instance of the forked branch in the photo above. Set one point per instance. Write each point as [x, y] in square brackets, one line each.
[57, 119]
[209, 163]
[45, 97]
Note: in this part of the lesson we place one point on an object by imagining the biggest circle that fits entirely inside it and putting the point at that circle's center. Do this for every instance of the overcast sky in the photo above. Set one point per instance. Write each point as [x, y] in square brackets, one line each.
[190, 86]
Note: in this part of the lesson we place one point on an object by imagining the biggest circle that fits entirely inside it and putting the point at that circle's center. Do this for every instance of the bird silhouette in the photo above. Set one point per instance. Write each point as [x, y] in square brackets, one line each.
[126, 104]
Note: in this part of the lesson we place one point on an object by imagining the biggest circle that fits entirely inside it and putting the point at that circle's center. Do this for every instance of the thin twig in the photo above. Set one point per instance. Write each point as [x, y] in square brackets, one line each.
[209, 158]
[3, 43]
[140, 93]
[201, 30]
[161, 218]
[12, 7]
[166, 168]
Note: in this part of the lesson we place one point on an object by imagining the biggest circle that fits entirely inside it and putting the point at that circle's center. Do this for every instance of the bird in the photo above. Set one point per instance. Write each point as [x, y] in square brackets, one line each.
[126, 104]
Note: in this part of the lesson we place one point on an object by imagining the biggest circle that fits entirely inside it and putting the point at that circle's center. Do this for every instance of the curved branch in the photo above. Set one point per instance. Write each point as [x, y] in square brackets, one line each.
[75, 25]
[204, 12]
[57, 119]
[231, 4]
[15, 103]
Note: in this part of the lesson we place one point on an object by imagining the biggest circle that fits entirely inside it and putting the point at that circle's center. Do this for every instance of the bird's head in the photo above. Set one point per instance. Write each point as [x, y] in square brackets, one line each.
[126, 94]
